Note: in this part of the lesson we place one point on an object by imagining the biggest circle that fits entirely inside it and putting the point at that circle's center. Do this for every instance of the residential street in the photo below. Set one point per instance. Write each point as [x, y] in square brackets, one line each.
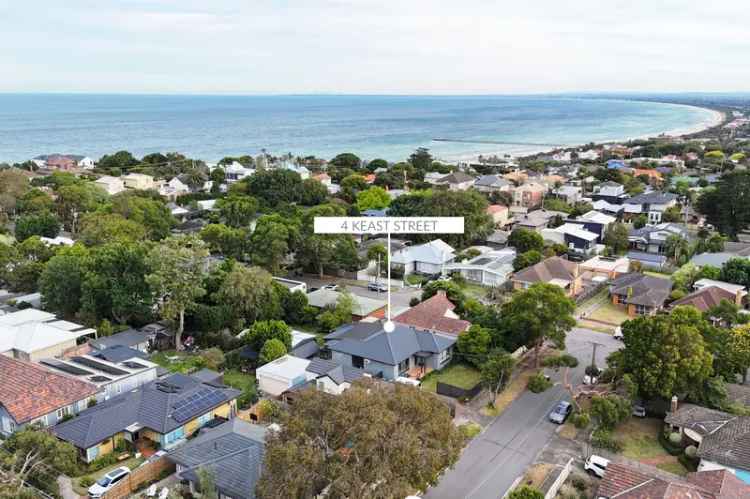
[494, 459]
[400, 297]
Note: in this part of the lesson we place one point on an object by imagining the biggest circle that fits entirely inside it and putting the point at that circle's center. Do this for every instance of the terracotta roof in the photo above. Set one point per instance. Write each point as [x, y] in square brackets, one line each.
[547, 270]
[729, 445]
[722, 483]
[625, 482]
[29, 391]
[432, 314]
[705, 298]
[496, 208]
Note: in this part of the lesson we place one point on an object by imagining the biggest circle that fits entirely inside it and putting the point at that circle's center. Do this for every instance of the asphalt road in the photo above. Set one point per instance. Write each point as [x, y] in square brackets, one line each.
[400, 297]
[493, 460]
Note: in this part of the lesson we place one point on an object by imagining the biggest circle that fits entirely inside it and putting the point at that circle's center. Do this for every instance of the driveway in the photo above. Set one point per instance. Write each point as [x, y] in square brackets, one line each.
[494, 459]
[400, 297]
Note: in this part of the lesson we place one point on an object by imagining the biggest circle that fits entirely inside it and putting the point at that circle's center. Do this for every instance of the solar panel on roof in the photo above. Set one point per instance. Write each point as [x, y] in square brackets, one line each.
[196, 404]
[99, 366]
[62, 366]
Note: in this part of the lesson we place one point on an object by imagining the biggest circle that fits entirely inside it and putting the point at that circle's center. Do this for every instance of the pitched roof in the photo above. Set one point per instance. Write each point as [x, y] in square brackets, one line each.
[729, 444]
[738, 393]
[458, 177]
[491, 181]
[654, 197]
[547, 270]
[338, 373]
[29, 391]
[623, 481]
[641, 289]
[161, 405]
[434, 313]
[705, 298]
[722, 483]
[371, 341]
[233, 452]
[701, 420]
[436, 251]
[128, 338]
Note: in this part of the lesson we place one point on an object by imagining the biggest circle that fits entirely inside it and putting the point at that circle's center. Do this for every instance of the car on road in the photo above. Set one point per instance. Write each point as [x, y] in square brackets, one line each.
[331, 287]
[561, 412]
[596, 465]
[618, 333]
[380, 287]
[109, 480]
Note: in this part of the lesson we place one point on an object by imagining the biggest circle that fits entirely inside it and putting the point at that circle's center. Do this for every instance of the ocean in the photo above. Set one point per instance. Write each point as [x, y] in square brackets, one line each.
[389, 127]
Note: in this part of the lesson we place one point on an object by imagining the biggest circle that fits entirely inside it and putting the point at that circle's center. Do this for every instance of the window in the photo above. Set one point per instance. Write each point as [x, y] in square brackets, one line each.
[445, 355]
[641, 310]
[403, 366]
[174, 436]
[92, 453]
[205, 418]
[358, 362]
[63, 411]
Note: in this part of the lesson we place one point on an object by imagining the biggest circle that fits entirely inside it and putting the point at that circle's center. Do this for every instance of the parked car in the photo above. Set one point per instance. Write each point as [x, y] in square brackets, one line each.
[380, 287]
[639, 410]
[618, 333]
[332, 287]
[109, 480]
[596, 465]
[561, 412]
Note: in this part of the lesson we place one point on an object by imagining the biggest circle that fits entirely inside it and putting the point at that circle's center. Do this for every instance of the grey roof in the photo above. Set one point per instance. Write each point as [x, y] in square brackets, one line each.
[208, 376]
[458, 177]
[647, 258]
[306, 348]
[701, 420]
[338, 373]
[128, 338]
[491, 181]
[369, 340]
[655, 197]
[641, 289]
[658, 232]
[729, 444]
[119, 353]
[233, 452]
[738, 393]
[498, 237]
[712, 259]
[155, 405]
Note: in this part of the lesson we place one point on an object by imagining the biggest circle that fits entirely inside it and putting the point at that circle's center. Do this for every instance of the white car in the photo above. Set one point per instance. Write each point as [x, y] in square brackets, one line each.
[596, 465]
[331, 287]
[618, 333]
[105, 483]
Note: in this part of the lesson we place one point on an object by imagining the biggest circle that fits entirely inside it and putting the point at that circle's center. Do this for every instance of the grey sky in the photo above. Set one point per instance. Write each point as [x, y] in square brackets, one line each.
[369, 46]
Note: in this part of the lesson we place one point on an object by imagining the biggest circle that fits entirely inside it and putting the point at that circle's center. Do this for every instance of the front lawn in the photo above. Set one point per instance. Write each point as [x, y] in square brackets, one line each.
[243, 382]
[131, 463]
[460, 375]
[639, 438]
[609, 313]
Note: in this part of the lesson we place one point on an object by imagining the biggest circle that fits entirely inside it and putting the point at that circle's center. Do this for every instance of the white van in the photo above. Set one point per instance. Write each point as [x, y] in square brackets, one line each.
[596, 465]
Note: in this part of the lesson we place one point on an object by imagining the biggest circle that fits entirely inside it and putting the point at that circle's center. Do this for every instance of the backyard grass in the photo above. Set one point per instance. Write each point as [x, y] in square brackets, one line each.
[178, 362]
[470, 430]
[131, 463]
[460, 375]
[609, 313]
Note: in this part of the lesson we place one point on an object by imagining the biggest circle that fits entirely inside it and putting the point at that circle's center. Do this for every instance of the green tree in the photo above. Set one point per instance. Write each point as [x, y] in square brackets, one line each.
[496, 371]
[640, 221]
[540, 313]
[115, 285]
[523, 260]
[274, 187]
[225, 240]
[121, 161]
[376, 164]
[666, 354]
[35, 201]
[273, 239]
[338, 443]
[474, 345]
[610, 410]
[616, 238]
[73, 200]
[62, 280]
[727, 204]
[37, 224]
[207, 483]
[421, 159]
[452, 290]
[14, 184]
[351, 186]
[525, 492]
[346, 160]
[237, 211]
[316, 252]
[261, 332]
[736, 271]
[101, 228]
[272, 350]
[313, 192]
[378, 253]
[340, 314]
[177, 265]
[740, 349]
[146, 209]
[374, 198]
[250, 293]
[524, 240]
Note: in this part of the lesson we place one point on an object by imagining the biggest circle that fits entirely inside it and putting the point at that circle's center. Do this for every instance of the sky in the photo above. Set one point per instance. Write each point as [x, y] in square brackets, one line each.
[373, 46]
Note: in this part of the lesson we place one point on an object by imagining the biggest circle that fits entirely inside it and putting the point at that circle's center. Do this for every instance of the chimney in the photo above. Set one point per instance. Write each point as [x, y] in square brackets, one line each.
[673, 404]
[441, 292]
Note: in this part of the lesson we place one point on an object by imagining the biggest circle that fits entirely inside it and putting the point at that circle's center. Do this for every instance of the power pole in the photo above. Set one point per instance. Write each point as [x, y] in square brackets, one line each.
[594, 345]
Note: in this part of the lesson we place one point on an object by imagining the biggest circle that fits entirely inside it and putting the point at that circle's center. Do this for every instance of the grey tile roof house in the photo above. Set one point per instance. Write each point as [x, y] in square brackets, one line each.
[232, 452]
[164, 411]
[367, 346]
[642, 294]
[489, 183]
[653, 238]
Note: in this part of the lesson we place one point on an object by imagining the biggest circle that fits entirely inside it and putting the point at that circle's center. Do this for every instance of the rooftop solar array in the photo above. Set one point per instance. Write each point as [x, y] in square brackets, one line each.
[197, 404]
[62, 366]
[100, 366]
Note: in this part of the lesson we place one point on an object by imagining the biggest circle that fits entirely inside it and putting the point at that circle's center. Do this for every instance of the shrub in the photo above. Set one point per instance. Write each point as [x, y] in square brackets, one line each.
[580, 420]
[592, 370]
[677, 294]
[470, 430]
[672, 449]
[268, 410]
[691, 451]
[86, 481]
[578, 483]
[102, 462]
[603, 439]
[675, 438]
[414, 302]
[539, 383]
[563, 360]
[688, 463]
[525, 492]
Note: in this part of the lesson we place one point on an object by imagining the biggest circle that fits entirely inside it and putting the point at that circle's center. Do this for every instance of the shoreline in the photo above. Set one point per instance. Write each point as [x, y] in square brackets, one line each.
[717, 118]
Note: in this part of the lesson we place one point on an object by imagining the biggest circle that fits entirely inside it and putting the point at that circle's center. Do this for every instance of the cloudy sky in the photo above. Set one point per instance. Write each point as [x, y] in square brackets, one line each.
[373, 46]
